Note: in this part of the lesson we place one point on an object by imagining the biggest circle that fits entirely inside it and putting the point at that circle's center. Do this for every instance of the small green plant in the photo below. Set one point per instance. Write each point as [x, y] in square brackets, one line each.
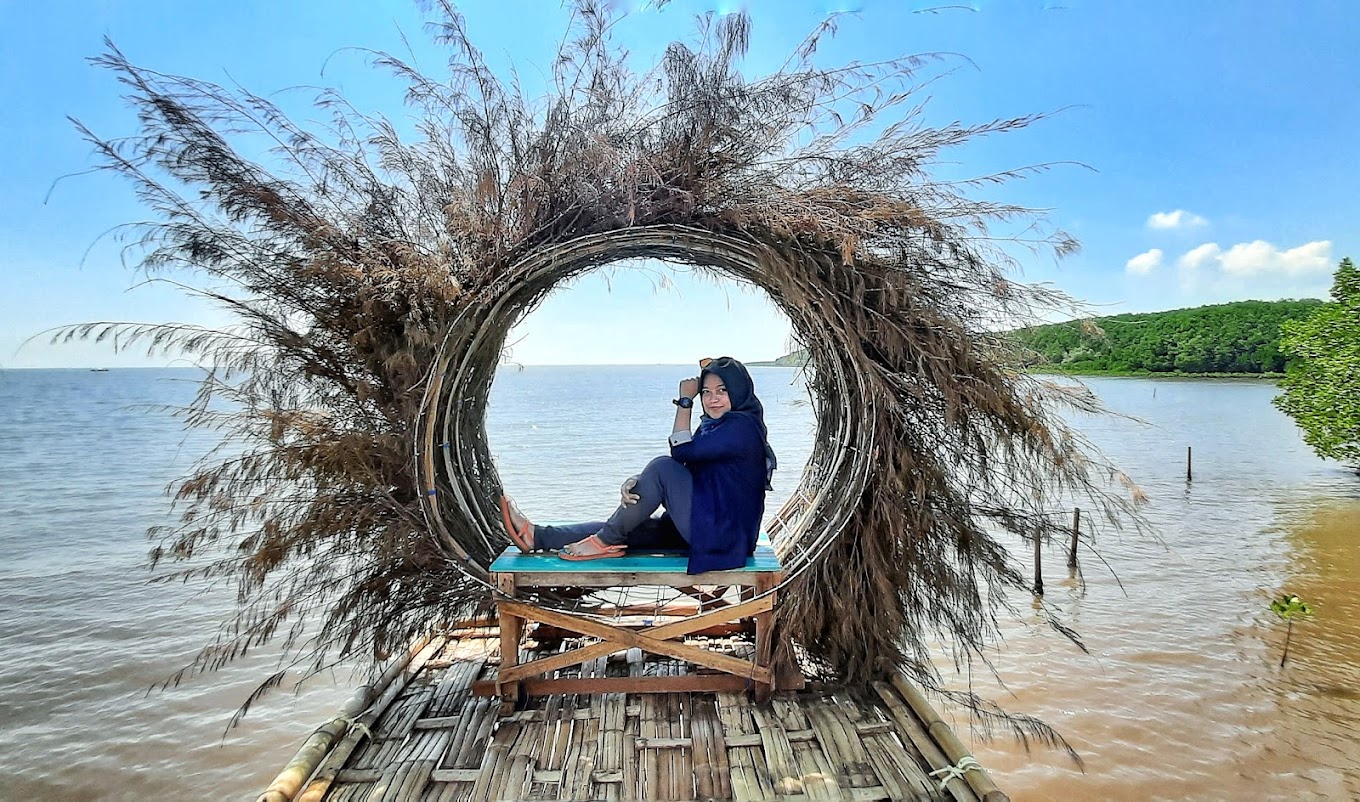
[1287, 607]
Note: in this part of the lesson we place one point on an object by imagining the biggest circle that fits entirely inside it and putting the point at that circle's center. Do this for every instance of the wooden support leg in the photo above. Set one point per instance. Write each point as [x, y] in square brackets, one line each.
[511, 628]
[764, 635]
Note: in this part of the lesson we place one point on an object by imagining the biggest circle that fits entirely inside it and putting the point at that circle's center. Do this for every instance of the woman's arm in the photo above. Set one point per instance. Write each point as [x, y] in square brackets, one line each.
[684, 416]
[683, 420]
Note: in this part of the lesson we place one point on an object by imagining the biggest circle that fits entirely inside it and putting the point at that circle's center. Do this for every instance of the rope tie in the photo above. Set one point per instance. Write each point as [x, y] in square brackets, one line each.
[956, 771]
[353, 722]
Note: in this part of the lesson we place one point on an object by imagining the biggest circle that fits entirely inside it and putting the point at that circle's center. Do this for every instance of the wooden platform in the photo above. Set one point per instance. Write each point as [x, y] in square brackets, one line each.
[421, 734]
[753, 585]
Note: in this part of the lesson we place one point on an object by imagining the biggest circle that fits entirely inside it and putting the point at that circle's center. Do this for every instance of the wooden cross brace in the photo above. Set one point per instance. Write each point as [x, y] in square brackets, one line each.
[739, 674]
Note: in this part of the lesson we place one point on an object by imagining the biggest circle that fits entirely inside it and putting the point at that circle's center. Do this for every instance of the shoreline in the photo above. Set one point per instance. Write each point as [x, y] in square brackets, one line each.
[1149, 374]
[1123, 374]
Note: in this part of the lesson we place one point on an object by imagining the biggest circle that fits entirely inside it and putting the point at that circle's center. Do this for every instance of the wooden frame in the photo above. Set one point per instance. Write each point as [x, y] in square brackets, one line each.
[717, 672]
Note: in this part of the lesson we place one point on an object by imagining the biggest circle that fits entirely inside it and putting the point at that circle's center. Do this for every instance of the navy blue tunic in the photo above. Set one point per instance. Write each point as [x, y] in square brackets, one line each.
[727, 460]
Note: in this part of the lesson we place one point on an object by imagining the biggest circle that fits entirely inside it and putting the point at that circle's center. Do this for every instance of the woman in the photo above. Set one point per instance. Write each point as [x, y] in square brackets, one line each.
[712, 485]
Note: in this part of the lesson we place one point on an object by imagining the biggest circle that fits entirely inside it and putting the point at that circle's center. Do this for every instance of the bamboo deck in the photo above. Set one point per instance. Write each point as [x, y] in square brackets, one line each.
[421, 734]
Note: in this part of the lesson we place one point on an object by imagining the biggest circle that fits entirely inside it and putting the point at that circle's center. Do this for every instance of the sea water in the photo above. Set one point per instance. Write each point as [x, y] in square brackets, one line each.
[1180, 696]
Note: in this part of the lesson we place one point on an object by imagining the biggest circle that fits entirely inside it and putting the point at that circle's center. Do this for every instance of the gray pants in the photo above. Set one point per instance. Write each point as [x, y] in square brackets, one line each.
[663, 483]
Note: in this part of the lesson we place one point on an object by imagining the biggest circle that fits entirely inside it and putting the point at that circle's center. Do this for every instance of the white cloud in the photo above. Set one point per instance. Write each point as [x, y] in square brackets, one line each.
[1260, 258]
[1200, 257]
[1144, 263]
[1177, 219]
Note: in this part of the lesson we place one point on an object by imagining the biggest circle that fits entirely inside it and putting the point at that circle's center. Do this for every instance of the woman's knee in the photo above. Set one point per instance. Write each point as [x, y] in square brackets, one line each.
[663, 471]
[662, 465]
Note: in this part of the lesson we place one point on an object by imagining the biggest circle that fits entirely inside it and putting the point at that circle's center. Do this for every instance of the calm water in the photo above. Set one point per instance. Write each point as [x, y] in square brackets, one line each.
[1182, 696]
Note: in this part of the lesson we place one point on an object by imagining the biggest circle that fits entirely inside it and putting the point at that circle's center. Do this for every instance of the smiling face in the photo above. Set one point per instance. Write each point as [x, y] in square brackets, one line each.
[713, 396]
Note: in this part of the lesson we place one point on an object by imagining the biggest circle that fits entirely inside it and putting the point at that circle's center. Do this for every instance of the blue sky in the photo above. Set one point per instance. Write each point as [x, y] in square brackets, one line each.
[1218, 140]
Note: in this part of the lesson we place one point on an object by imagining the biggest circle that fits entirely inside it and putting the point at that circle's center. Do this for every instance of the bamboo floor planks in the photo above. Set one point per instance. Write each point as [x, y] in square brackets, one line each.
[435, 740]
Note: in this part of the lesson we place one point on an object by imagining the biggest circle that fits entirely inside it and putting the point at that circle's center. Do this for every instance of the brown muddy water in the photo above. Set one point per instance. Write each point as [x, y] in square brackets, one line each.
[1181, 696]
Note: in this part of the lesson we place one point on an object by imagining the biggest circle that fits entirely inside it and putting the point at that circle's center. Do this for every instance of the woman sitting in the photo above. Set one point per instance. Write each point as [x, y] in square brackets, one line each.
[712, 485]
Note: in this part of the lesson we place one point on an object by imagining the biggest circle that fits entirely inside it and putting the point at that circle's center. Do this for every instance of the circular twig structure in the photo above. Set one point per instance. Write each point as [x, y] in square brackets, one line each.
[928, 442]
[454, 461]
[374, 279]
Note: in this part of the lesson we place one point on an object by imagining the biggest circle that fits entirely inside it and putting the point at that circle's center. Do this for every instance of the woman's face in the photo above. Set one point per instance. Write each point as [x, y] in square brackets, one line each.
[714, 396]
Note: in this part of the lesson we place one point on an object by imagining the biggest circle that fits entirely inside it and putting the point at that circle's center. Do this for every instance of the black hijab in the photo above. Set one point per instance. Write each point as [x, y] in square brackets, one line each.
[741, 392]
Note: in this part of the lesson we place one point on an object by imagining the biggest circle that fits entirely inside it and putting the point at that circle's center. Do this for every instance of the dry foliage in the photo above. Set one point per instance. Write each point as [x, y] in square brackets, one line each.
[374, 280]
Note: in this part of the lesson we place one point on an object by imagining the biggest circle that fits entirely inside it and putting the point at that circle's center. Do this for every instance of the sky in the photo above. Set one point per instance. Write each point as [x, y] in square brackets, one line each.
[1206, 151]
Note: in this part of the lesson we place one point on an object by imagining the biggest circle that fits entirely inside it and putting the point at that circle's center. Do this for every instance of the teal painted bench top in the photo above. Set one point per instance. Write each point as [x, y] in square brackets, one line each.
[512, 561]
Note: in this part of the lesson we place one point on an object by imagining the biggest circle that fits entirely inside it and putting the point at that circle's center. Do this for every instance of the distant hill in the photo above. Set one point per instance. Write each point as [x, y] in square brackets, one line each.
[797, 359]
[1241, 337]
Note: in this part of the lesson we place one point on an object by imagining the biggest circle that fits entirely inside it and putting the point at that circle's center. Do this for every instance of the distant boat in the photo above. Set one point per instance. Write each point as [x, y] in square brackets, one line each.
[99, 370]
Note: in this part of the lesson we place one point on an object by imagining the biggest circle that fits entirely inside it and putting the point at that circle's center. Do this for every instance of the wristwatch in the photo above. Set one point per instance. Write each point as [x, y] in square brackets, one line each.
[684, 402]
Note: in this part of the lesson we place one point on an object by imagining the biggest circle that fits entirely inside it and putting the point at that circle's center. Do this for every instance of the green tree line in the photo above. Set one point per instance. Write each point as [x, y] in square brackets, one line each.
[1240, 337]
[1322, 390]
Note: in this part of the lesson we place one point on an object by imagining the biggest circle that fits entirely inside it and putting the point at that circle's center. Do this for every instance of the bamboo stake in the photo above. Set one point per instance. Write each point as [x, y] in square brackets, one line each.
[977, 778]
[1076, 531]
[1038, 567]
[318, 745]
[1188, 474]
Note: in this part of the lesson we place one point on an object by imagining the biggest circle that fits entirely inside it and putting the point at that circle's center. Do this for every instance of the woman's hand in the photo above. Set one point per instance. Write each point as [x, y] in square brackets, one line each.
[627, 497]
[689, 388]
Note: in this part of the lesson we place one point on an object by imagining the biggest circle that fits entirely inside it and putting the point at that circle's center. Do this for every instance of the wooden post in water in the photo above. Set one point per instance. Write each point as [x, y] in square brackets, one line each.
[1038, 568]
[1188, 475]
[1076, 531]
